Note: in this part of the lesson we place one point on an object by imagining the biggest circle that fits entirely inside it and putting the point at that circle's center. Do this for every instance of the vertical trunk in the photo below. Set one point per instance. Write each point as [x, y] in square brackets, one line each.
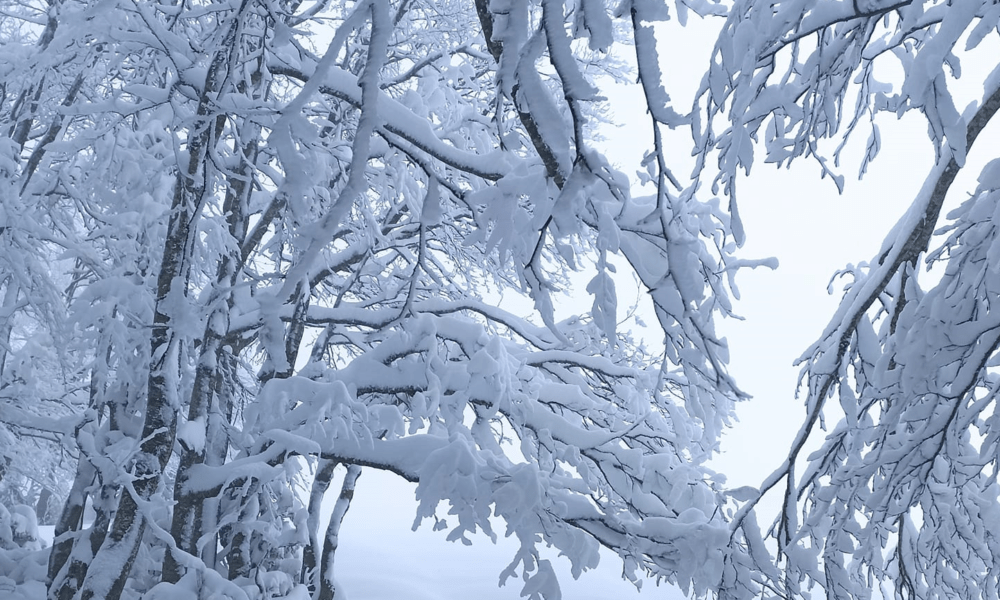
[324, 474]
[108, 572]
[70, 520]
[186, 527]
[238, 557]
[42, 506]
[83, 552]
[9, 305]
[194, 184]
[70, 556]
[188, 523]
[110, 568]
[328, 586]
[88, 544]
[70, 580]
[217, 448]
[65, 583]
[195, 512]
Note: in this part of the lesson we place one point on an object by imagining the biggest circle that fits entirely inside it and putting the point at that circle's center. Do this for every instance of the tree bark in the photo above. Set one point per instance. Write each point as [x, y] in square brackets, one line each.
[187, 524]
[119, 550]
[70, 556]
[328, 586]
[42, 505]
[194, 511]
[70, 520]
[321, 483]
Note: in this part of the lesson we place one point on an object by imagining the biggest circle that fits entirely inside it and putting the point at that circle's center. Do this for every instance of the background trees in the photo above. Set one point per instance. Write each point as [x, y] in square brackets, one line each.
[248, 242]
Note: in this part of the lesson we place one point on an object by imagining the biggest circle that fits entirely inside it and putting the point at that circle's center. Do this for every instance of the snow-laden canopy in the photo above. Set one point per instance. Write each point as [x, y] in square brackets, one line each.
[245, 242]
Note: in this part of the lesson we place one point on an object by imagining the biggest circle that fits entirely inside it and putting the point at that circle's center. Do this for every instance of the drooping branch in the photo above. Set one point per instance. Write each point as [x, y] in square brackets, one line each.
[907, 241]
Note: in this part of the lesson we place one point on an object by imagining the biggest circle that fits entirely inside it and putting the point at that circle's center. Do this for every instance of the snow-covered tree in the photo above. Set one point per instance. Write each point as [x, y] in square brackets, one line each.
[247, 242]
[902, 491]
[260, 239]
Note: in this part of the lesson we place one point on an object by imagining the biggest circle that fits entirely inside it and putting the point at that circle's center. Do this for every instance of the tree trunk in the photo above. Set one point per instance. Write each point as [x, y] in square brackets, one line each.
[70, 557]
[188, 524]
[324, 474]
[217, 448]
[186, 527]
[83, 552]
[9, 302]
[238, 556]
[328, 586]
[42, 505]
[162, 403]
[70, 520]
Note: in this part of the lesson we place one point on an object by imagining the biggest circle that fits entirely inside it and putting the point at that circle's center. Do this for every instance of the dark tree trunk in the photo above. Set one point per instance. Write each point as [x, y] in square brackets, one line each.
[328, 586]
[42, 506]
[324, 474]
[120, 547]
[70, 520]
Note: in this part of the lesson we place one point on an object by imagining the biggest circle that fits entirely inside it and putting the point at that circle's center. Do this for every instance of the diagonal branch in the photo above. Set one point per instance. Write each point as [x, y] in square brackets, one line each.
[908, 239]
